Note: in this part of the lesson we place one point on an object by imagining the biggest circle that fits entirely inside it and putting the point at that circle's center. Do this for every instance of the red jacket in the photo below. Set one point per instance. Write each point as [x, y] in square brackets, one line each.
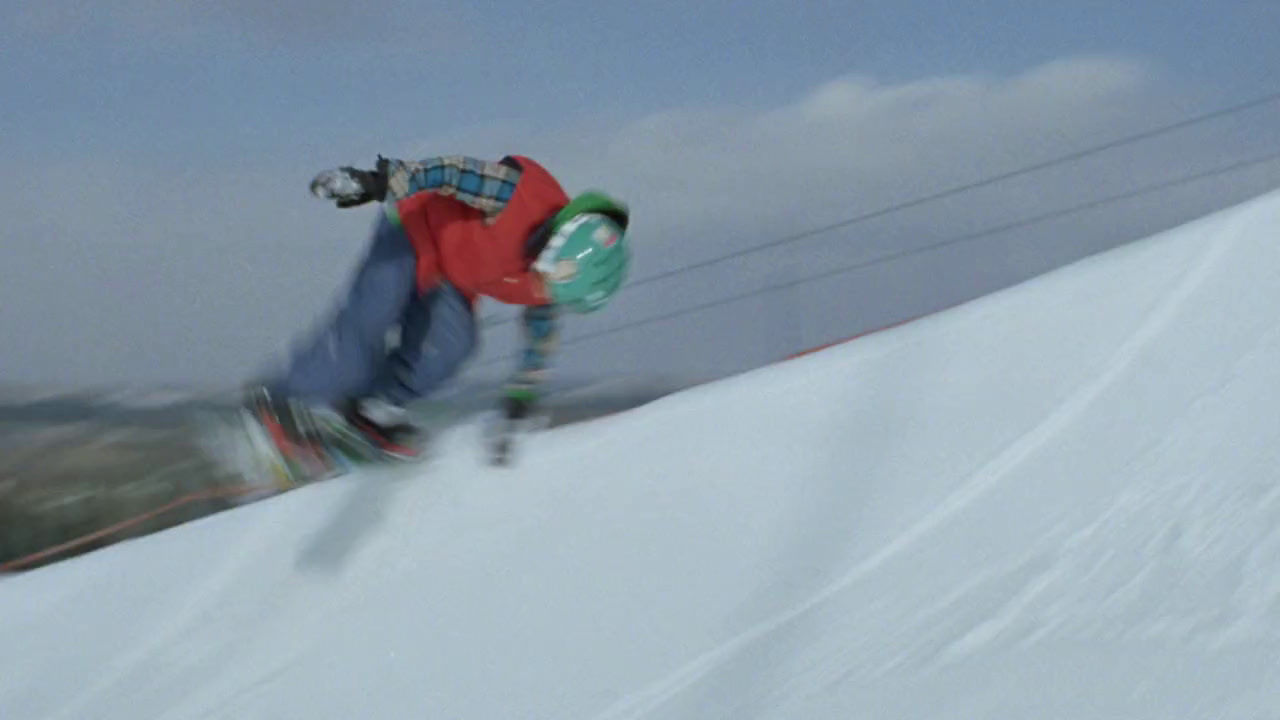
[455, 243]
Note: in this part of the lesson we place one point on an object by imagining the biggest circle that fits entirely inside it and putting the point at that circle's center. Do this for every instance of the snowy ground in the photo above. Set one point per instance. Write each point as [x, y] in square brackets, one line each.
[1061, 501]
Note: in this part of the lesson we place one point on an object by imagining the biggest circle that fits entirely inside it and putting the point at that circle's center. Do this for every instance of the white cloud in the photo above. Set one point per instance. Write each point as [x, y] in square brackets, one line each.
[853, 143]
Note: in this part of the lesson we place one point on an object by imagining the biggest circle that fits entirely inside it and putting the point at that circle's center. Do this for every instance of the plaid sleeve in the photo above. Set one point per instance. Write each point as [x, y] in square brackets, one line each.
[484, 185]
[540, 342]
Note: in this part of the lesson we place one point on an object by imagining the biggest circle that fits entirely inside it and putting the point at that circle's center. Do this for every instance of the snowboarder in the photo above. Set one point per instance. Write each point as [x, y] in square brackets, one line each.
[451, 229]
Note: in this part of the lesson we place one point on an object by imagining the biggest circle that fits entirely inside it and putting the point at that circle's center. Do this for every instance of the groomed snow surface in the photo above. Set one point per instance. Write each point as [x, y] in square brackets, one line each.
[1059, 501]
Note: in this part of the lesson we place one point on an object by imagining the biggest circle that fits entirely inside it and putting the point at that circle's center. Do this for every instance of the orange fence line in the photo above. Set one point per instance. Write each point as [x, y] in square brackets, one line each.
[126, 524]
[834, 343]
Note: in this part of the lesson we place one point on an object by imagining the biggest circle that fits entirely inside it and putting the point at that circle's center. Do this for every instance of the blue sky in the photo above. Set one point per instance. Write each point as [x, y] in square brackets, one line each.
[158, 153]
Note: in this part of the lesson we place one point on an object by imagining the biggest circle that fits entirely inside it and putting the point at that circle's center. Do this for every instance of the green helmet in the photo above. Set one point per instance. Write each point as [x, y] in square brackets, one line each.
[585, 261]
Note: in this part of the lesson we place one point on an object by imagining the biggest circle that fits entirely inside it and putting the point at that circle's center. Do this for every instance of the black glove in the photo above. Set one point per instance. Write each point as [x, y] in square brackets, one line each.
[349, 187]
[514, 410]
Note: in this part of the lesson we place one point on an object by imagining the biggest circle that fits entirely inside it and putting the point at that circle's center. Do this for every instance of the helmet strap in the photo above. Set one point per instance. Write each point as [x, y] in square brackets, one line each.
[546, 261]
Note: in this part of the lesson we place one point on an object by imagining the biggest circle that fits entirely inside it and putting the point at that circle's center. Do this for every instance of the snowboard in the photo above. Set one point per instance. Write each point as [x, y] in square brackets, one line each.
[250, 441]
[275, 453]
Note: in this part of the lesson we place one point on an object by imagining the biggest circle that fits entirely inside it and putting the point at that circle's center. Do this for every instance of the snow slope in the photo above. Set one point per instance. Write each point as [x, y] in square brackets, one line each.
[1060, 501]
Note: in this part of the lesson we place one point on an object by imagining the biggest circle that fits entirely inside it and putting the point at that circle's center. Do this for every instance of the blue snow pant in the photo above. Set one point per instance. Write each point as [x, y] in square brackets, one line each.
[350, 355]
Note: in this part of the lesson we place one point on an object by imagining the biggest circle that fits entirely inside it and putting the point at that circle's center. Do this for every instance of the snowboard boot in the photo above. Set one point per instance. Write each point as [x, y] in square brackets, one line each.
[384, 428]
